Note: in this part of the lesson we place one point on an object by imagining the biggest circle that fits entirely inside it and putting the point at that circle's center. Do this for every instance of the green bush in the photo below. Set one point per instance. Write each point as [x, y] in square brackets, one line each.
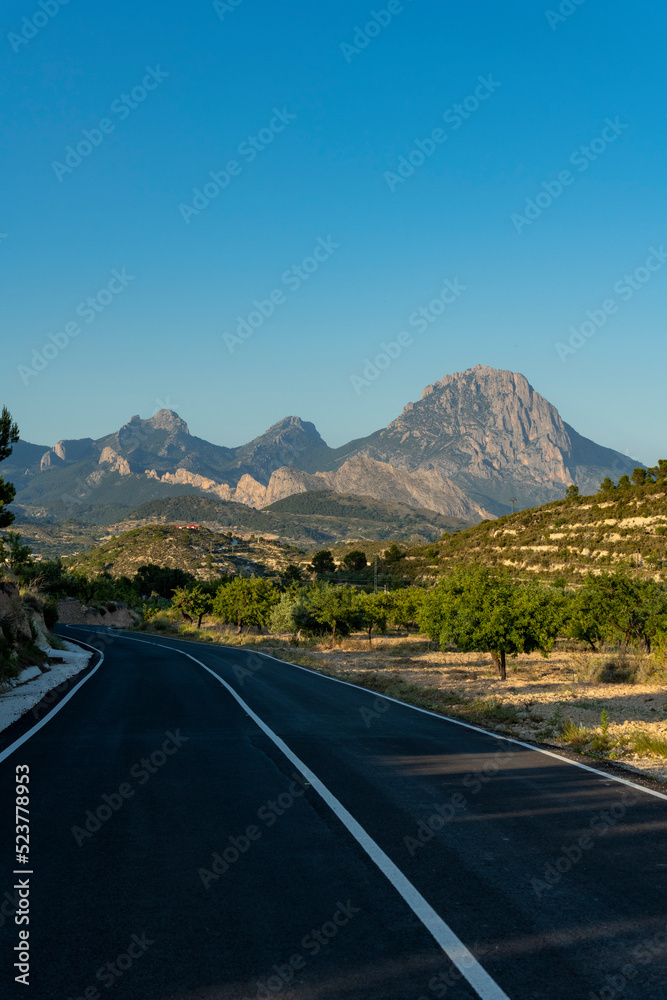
[50, 613]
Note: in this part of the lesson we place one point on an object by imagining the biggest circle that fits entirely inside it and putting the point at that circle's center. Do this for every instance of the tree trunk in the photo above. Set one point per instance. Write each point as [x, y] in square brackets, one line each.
[501, 664]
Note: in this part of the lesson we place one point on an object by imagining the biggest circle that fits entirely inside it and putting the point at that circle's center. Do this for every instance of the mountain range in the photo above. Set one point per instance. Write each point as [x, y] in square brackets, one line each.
[474, 444]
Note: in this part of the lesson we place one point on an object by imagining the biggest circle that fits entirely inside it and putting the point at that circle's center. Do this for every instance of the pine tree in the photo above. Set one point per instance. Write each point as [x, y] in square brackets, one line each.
[9, 435]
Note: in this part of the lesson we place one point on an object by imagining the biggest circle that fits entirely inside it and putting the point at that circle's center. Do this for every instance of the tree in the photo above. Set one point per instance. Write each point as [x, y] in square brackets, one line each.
[336, 608]
[161, 580]
[18, 556]
[282, 617]
[639, 476]
[192, 603]
[660, 471]
[481, 611]
[323, 562]
[635, 609]
[355, 561]
[624, 483]
[291, 574]
[572, 492]
[404, 607]
[607, 485]
[374, 612]
[9, 435]
[392, 555]
[245, 601]
[585, 617]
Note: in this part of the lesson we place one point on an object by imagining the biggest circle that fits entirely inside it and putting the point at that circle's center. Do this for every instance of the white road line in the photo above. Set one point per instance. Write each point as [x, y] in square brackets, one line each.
[485, 987]
[436, 715]
[47, 718]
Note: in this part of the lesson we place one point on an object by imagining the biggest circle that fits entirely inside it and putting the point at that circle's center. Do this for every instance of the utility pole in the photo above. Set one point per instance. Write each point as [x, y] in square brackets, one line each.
[588, 549]
[513, 501]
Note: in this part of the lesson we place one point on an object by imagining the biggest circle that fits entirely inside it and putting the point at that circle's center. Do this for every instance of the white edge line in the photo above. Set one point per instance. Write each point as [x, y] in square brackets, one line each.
[453, 947]
[426, 711]
[63, 701]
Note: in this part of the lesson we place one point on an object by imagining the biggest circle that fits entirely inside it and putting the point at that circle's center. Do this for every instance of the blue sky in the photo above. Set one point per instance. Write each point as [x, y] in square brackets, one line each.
[170, 93]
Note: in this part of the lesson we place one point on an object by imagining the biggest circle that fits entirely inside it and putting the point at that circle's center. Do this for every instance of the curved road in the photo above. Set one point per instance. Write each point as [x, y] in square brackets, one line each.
[224, 825]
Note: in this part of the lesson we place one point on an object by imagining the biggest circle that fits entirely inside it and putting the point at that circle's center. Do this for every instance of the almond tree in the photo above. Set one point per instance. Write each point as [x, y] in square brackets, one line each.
[245, 602]
[192, 603]
[484, 612]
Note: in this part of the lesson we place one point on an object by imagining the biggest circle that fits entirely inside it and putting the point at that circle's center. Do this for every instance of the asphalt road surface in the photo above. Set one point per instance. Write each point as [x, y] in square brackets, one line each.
[231, 826]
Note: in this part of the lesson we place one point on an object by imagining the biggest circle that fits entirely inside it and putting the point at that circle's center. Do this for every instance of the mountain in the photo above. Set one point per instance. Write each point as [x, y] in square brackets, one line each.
[475, 443]
[492, 435]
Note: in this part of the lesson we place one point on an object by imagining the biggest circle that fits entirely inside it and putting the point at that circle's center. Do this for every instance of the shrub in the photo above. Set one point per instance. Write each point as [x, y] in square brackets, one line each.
[575, 735]
[619, 669]
[50, 614]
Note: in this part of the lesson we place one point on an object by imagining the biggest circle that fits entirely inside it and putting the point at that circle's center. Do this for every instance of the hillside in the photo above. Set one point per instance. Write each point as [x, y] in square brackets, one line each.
[305, 519]
[626, 529]
[206, 554]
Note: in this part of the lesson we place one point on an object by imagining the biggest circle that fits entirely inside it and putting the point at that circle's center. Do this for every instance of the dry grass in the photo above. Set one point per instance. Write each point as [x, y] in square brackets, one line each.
[559, 700]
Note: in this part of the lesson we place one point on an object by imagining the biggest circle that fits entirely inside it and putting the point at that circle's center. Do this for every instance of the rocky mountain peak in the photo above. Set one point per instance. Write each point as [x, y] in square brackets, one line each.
[296, 426]
[167, 420]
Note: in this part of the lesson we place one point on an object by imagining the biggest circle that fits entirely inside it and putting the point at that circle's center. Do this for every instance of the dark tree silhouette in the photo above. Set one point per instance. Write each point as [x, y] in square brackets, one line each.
[9, 435]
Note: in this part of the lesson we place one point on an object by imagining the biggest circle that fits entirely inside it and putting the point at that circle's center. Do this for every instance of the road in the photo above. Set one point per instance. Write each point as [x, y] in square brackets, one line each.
[231, 826]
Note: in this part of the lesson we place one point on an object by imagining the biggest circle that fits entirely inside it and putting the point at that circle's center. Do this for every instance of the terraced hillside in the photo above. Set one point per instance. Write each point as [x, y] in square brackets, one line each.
[623, 529]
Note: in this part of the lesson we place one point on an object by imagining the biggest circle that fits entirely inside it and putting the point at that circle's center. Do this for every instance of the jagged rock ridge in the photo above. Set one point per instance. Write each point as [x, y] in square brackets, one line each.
[473, 441]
